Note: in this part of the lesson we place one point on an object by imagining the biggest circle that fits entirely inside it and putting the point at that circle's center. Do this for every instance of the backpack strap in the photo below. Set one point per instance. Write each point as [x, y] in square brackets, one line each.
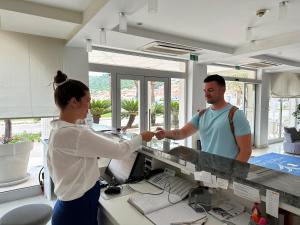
[230, 119]
[201, 112]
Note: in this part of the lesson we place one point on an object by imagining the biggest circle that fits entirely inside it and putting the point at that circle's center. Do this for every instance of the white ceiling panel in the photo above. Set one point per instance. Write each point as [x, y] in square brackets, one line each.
[29, 24]
[76, 5]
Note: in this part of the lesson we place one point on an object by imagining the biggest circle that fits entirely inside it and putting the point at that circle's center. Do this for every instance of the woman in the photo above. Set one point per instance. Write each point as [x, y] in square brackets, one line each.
[73, 152]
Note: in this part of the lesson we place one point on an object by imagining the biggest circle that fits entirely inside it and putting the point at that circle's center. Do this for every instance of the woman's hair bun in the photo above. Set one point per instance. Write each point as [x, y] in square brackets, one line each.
[60, 77]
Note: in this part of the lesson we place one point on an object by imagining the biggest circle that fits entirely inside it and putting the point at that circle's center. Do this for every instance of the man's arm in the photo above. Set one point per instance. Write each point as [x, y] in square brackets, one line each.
[245, 150]
[177, 134]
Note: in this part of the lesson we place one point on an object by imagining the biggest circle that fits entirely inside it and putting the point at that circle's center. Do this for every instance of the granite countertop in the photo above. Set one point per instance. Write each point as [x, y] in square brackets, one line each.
[255, 176]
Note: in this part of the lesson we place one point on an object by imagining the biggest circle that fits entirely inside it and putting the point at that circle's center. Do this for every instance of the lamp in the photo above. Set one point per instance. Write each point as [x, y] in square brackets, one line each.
[102, 36]
[88, 45]
[282, 10]
[122, 22]
[249, 33]
[152, 6]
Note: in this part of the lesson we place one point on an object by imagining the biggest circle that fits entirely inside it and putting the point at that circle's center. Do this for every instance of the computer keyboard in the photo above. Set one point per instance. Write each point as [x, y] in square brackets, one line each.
[172, 184]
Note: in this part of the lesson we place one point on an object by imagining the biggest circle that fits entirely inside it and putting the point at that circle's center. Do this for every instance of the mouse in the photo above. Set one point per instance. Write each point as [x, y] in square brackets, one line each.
[112, 190]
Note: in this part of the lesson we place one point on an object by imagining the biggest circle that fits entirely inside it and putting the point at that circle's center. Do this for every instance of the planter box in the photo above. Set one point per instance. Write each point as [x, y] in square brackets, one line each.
[14, 161]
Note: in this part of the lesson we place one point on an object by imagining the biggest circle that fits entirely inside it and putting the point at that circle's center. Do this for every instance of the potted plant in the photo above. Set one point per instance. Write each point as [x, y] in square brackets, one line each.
[99, 108]
[14, 157]
[131, 107]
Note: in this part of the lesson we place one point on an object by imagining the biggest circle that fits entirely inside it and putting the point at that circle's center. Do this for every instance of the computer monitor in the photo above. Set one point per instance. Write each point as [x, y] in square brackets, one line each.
[120, 171]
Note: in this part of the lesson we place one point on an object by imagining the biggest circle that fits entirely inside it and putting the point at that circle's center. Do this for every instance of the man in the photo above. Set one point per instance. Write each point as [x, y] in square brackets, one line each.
[213, 124]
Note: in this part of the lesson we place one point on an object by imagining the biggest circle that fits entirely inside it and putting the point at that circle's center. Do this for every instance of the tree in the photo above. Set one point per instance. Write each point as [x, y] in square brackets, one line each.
[156, 109]
[131, 106]
[175, 113]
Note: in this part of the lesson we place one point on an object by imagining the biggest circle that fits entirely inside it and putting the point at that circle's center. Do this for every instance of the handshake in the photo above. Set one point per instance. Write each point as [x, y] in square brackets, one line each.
[148, 135]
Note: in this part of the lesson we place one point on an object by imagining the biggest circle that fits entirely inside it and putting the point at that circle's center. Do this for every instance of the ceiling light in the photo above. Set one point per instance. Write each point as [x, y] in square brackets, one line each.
[249, 33]
[283, 9]
[102, 36]
[88, 45]
[152, 6]
[122, 22]
[261, 12]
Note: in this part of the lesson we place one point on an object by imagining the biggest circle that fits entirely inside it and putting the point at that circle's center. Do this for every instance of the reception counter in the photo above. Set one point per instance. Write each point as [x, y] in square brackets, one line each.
[287, 185]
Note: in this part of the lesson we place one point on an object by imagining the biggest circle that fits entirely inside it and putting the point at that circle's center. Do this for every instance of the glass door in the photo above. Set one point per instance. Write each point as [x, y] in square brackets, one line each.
[242, 95]
[129, 103]
[157, 102]
[249, 106]
[142, 103]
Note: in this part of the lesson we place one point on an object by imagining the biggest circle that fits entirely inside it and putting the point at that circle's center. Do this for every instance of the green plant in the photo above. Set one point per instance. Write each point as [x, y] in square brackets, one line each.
[156, 109]
[100, 107]
[23, 137]
[175, 112]
[296, 114]
[131, 107]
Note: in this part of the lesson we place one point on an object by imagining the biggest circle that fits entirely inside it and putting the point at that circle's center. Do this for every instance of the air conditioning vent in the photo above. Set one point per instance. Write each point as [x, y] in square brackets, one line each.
[262, 64]
[161, 47]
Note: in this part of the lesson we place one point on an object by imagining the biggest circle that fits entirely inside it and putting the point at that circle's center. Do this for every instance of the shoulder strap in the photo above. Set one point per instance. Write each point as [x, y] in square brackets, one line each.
[230, 118]
[202, 112]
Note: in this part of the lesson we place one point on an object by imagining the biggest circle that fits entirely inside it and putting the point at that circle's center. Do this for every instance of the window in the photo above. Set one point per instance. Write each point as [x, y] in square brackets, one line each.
[29, 158]
[100, 89]
[280, 116]
[242, 95]
[177, 103]
[231, 72]
[118, 59]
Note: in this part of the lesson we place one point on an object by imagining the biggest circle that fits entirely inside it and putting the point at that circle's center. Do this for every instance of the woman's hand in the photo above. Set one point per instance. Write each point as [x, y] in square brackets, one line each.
[147, 135]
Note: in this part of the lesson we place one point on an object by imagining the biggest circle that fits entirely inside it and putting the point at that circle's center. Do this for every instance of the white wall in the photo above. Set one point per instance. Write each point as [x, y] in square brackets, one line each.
[195, 98]
[262, 110]
[28, 64]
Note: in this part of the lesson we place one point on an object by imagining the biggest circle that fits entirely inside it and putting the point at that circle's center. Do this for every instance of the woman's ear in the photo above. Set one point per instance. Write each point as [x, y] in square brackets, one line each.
[73, 102]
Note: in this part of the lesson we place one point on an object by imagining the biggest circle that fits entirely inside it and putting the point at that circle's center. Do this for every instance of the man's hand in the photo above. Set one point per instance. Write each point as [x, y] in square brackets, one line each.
[160, 133]
[147, 135]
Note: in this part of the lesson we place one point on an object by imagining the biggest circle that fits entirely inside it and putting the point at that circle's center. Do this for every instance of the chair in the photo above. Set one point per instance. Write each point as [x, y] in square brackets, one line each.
[291, 143]
[32, 214]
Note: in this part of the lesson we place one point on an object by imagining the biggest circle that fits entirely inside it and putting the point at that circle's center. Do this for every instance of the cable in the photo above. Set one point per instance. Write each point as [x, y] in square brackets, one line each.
[41, 179]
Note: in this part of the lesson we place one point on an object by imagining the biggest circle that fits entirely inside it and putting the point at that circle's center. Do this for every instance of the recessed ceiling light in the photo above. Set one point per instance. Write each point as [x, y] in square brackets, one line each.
[261, 12]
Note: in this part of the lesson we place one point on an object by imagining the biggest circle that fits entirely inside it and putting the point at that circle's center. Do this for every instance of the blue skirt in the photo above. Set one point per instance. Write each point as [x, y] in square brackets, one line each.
[81, 211]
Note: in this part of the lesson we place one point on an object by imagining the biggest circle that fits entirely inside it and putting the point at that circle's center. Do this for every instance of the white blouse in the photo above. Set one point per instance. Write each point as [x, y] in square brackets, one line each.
[72, 157]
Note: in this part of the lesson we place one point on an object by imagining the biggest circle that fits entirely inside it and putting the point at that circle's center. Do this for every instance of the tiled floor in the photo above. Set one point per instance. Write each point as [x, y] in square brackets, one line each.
[276, 148]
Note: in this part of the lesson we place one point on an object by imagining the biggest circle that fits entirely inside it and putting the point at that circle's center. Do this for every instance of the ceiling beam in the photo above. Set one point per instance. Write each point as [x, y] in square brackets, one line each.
[103, 14]
[263, 46]
[277, 60]
[42, 10]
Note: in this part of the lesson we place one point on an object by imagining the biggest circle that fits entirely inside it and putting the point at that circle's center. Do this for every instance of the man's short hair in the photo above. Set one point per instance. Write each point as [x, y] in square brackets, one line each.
[217, 78]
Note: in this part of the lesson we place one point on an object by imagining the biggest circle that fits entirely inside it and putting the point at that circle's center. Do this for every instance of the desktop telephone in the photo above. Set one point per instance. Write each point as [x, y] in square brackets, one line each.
[172, 184]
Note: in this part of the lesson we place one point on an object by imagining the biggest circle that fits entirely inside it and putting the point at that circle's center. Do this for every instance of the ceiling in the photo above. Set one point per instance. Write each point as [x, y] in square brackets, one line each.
[217, 28]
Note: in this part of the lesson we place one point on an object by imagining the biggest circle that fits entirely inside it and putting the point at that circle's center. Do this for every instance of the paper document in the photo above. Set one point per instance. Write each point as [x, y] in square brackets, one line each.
[148, 203]
[246, 192]
[178, 213]
[203, 176]
[272, 203]
[222, 183]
